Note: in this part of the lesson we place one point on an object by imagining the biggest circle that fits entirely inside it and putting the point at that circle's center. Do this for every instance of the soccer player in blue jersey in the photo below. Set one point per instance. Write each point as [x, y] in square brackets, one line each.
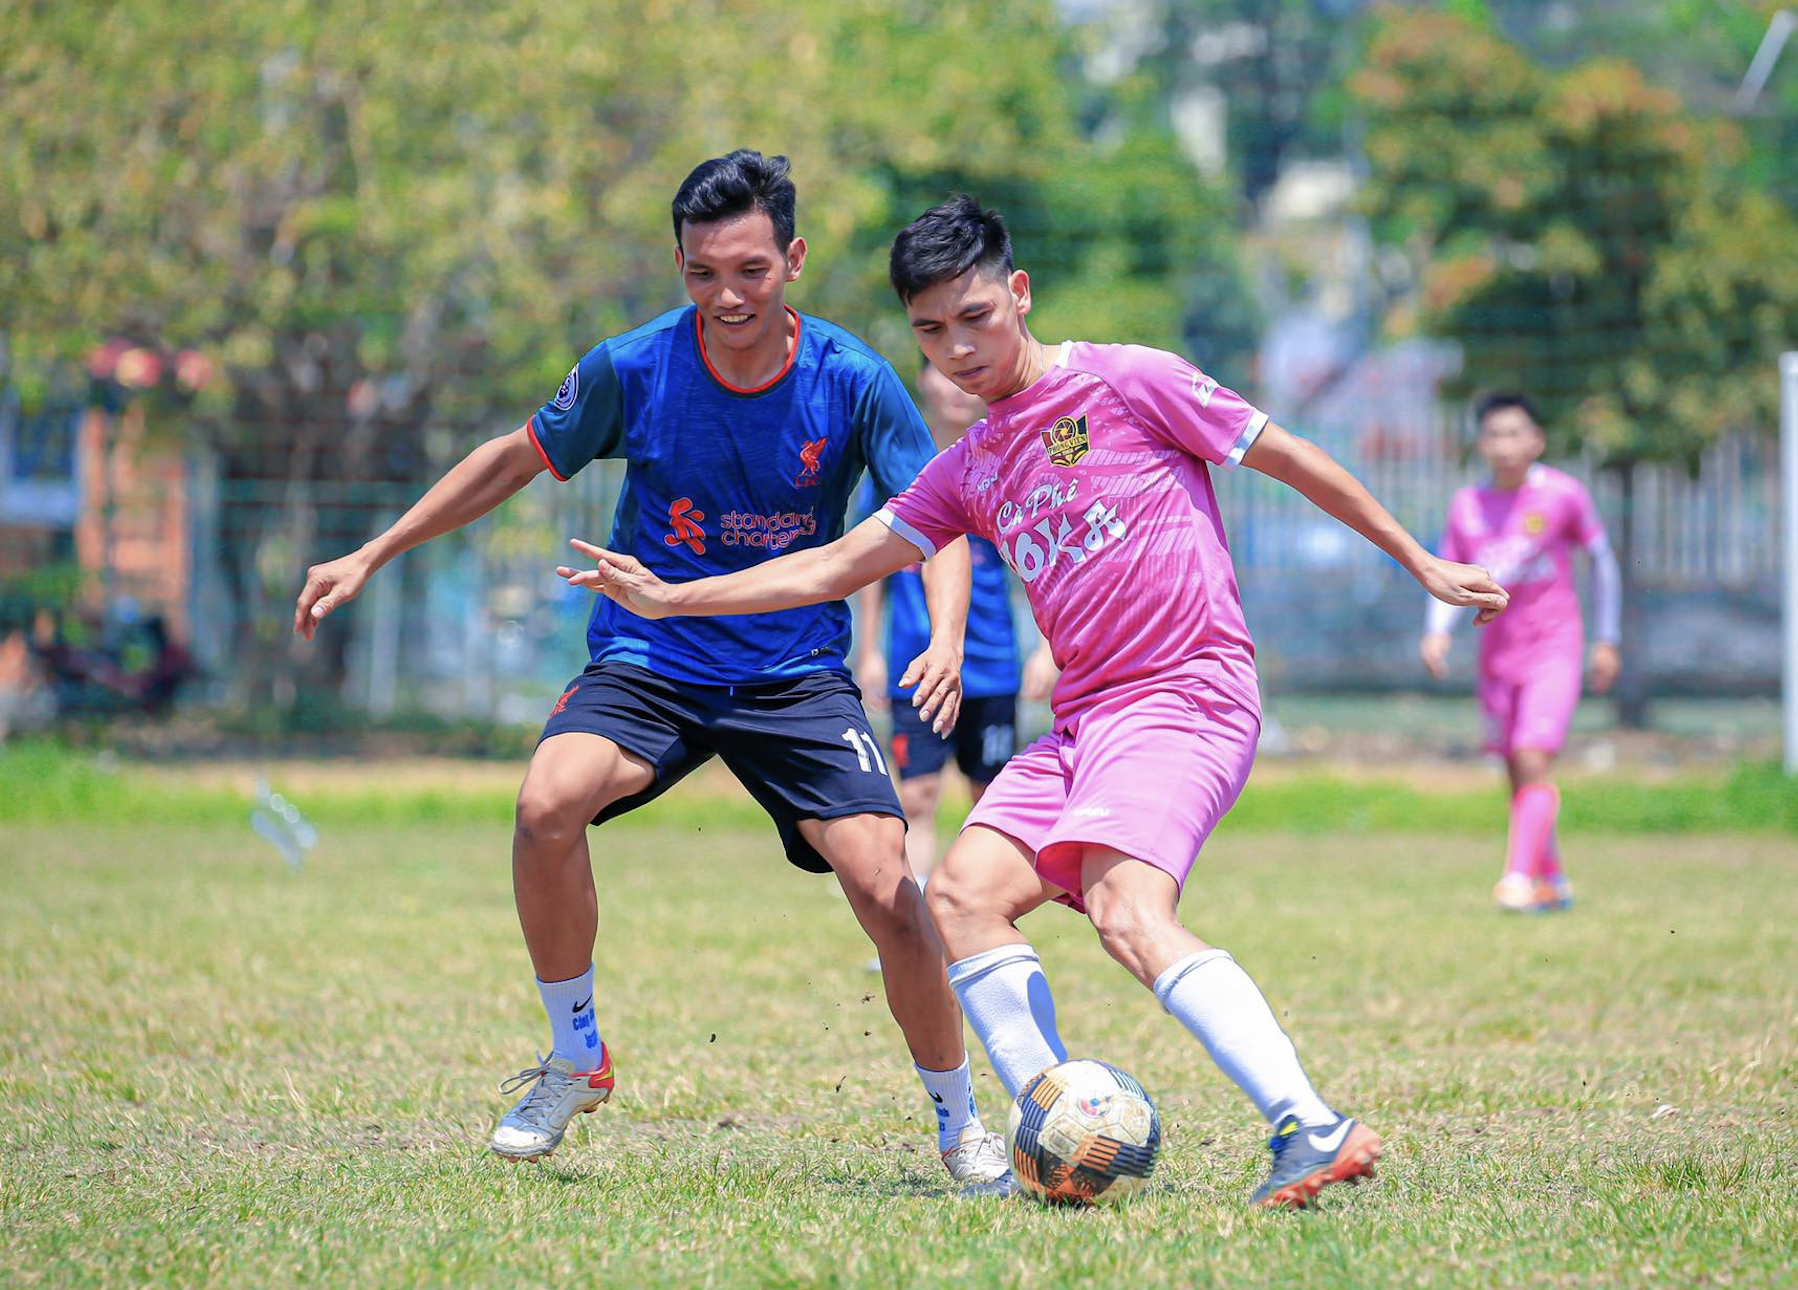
[744, 425]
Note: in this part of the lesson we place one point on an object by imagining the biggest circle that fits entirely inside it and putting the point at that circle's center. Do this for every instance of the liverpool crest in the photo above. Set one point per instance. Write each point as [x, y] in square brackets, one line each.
[1066, 441]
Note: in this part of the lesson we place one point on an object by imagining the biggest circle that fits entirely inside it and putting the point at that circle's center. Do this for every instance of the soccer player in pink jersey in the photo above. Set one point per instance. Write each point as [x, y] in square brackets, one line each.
[1092, 475]
[1524, 524]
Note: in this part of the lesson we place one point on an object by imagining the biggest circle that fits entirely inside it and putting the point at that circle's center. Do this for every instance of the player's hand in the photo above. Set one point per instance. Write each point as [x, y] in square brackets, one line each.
[621, 577]
[1465, 584]
[1603, 664]
[937, 674]
[871, 675]
[1434, 651]
[1040, 674]
[328, 586]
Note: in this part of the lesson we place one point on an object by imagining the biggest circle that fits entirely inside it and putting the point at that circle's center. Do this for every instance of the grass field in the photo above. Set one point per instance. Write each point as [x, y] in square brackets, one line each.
[213, 1071]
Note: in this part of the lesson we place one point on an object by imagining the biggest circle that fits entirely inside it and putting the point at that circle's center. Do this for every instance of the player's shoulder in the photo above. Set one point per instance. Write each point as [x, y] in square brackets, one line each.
[1464, 501]
[838, 350]
[1105, 360]
[1144, 377]
[1557, 482]
[645, 344]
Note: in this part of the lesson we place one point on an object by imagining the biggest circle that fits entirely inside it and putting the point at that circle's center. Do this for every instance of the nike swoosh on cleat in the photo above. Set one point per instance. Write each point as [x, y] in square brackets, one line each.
[583, 1004]
[1332, 1140]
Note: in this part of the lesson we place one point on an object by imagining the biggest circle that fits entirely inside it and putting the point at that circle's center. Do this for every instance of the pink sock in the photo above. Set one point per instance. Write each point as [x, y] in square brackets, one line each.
[1550, 870]
[1533, 812]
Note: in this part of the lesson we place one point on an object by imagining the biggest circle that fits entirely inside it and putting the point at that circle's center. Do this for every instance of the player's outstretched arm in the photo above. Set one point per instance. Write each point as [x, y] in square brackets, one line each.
[475, 485]
[869, 551]
[1310, 470]
[948, 585]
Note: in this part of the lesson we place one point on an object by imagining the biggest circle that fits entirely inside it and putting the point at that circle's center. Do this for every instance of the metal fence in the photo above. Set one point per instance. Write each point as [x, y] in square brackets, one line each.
[475, 625]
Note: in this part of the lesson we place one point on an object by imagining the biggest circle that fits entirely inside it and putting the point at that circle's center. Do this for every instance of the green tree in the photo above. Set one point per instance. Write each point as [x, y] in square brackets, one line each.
[393, 226]
[1583, 236]
[1277, 63]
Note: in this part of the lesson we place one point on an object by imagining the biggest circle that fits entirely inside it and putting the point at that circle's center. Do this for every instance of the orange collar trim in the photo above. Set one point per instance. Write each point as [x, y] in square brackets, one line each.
[792, 355]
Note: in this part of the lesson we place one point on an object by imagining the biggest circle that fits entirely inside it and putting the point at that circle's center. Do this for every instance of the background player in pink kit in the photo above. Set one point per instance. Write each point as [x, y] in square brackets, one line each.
[1524, 525]
[1092, 475]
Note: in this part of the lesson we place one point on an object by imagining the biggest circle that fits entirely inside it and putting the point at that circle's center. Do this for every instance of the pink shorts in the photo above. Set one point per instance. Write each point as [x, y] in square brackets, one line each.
[1150, 775]
[1532, 713]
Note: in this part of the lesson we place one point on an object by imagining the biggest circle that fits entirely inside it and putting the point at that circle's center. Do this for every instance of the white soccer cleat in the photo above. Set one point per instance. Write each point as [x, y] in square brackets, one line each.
[1515, 894]
[981, 1164]
[558, 1093]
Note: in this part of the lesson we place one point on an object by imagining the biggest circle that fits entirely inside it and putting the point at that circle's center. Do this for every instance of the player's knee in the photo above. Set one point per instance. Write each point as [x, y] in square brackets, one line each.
[1531, 765]
[1124, 922]
[546, 821]
[890, 910]
[951, 900]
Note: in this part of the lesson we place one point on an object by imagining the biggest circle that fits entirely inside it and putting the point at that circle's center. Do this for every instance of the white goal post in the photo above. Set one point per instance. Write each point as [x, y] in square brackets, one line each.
[1788, 495]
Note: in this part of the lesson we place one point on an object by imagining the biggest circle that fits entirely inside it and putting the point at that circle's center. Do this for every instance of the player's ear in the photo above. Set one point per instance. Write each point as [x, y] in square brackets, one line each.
[680, 261]
[1019, 282]
[795, 258]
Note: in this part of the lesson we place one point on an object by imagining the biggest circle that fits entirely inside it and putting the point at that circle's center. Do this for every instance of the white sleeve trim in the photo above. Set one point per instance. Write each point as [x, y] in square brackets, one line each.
[1442, 617]
[885, 516]
[1245, 441]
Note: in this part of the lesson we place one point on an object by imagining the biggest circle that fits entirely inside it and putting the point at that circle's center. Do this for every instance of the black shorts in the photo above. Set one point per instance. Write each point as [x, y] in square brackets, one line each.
[801, 747]
[983, 739]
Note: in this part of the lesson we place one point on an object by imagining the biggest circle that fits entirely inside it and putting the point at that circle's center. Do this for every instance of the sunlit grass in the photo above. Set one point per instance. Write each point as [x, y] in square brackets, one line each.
[215, 1071]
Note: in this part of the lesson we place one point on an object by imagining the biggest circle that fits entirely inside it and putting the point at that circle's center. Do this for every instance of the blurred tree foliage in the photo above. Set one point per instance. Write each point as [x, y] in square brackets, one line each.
[392, 227]
[1699, 48]
[1582, 234]
[1279, 65]
[383, 217]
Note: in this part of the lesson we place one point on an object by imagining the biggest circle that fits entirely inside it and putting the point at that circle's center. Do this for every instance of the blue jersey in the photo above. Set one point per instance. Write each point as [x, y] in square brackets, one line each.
[719, 479]
[989, 667]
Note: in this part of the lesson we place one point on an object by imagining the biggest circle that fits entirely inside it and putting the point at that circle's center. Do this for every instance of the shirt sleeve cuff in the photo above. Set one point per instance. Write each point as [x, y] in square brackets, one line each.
[530, 430]
[1245, 441]
[885, 516]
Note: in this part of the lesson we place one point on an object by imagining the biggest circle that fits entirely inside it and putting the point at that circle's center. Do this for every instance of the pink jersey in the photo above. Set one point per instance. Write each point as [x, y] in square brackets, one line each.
[1093, 485]
[1525, 539]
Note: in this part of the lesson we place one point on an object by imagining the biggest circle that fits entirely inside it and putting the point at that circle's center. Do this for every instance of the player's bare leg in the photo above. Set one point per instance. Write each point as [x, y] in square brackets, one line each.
[1135, 909]
[867, 852]
[985, 884]
[920, 796]
[572, 777]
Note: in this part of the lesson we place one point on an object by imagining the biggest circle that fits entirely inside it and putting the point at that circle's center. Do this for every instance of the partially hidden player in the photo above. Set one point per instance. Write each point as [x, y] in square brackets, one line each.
[744, 425]
[1092, 476]
[895, 623]
[1524, 523]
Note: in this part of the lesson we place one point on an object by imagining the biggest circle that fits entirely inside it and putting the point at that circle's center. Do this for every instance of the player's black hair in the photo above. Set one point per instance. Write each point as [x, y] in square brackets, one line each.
[945, 242]
[1497, 401]
[743, 181]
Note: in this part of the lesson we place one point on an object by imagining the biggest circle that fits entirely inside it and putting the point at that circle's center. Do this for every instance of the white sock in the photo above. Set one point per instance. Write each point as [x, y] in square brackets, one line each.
[574, 1034]
[1215, 999]
[1005, 997]
[952, 1096]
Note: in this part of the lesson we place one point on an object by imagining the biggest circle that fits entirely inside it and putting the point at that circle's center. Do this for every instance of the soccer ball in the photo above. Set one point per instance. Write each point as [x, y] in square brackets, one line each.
[1083, 1133]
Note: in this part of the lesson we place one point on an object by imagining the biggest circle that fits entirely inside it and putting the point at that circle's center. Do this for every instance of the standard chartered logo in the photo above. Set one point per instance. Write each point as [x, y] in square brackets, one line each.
[776, 532]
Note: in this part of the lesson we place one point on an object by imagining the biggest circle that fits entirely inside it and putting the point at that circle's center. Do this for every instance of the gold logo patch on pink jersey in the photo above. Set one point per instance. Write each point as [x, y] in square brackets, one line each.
[1067, 442]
